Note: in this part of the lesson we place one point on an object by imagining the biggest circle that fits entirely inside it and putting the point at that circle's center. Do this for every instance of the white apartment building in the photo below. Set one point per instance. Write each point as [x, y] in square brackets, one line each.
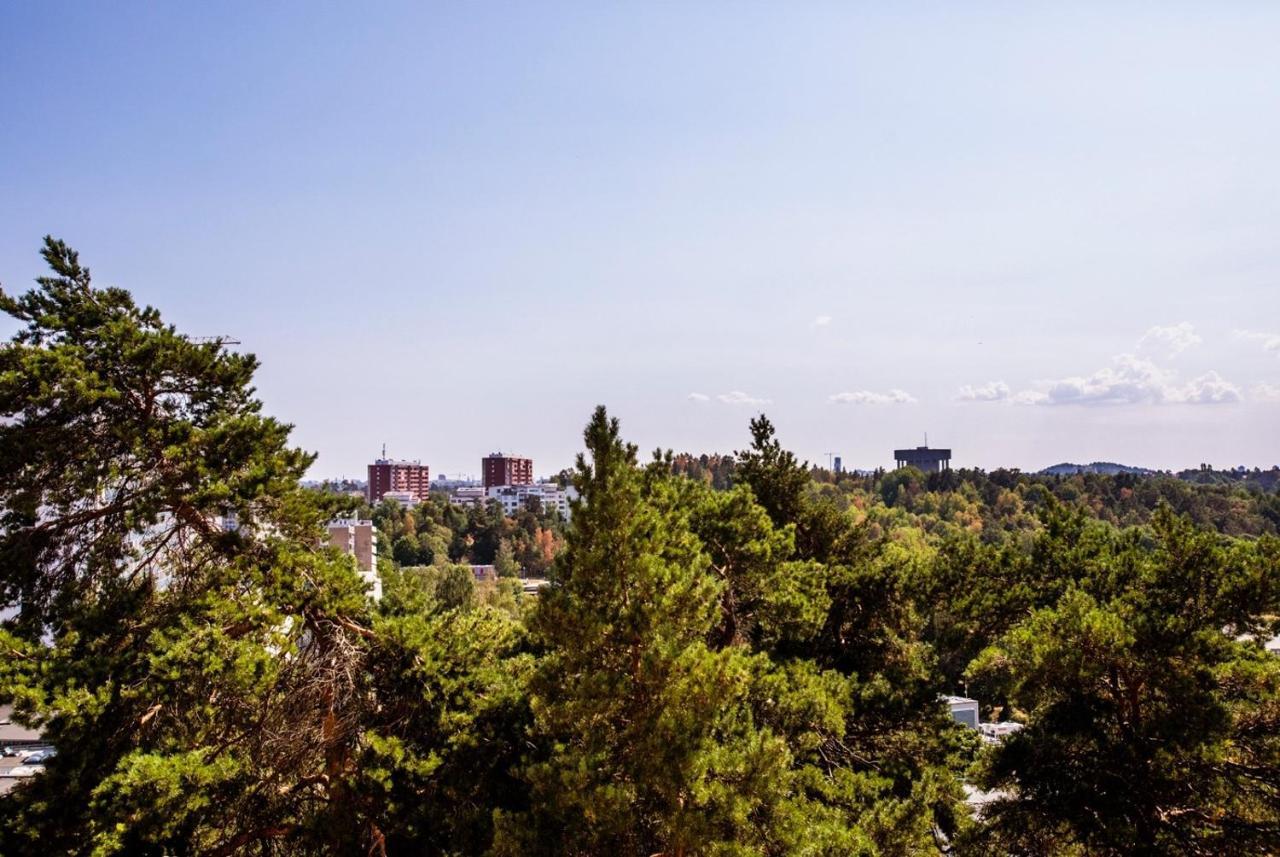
[516, 497]
[963, 710]
[359, 539]
[468, 495]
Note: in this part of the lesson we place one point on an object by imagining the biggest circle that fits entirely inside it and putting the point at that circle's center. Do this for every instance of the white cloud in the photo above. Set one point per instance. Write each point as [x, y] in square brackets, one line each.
[822, 321]
[992, 391]
[737, 397]
[1173, 339]
[1270, 341]
[734, 397]
[1130, 380]
[1208, 389]
[1265, 393]
[870, 397]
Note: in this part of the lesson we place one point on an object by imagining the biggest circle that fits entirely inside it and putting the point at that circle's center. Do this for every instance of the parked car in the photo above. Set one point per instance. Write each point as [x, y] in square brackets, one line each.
[26, 770]
[27, 752]
[39, 757]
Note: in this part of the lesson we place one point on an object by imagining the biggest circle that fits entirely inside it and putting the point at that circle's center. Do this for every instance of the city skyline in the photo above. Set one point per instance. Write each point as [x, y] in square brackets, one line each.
[1037, 235]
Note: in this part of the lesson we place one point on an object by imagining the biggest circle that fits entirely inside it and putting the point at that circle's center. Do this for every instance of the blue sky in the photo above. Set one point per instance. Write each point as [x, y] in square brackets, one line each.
[1037, 234]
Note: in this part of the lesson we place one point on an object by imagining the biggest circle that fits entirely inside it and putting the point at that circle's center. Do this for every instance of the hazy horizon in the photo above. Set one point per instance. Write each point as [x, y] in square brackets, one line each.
[1038, 235]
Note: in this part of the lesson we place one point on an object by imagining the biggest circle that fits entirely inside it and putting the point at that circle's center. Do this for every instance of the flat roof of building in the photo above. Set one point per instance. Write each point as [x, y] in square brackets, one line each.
[922, 452]
[11, 732]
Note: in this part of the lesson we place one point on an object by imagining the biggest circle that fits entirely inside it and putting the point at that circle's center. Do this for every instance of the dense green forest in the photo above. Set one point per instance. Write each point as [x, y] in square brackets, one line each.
[736, 655]
[437, 533]
[991, 507]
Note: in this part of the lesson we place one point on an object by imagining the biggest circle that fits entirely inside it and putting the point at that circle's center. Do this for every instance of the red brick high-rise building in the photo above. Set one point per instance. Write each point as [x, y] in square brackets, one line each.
[412, 477]
[499, 469]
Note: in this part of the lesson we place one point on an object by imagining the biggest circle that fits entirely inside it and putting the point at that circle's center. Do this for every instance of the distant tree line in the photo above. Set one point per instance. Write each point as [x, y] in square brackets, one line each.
[437, 532]
[1235, 502]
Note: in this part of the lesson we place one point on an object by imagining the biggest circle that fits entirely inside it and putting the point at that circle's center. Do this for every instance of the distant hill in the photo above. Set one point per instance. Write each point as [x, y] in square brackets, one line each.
[1266, 480]
[1109, 468]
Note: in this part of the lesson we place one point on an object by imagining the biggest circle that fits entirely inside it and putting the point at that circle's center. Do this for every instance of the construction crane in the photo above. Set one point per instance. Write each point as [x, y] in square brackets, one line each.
[216, 340]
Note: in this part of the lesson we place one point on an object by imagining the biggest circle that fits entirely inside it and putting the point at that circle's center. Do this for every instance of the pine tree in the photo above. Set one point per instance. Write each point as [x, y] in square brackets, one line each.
[439, 750]
[647, 740]
[1154, 712]
[200, 678]
[888, 764]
